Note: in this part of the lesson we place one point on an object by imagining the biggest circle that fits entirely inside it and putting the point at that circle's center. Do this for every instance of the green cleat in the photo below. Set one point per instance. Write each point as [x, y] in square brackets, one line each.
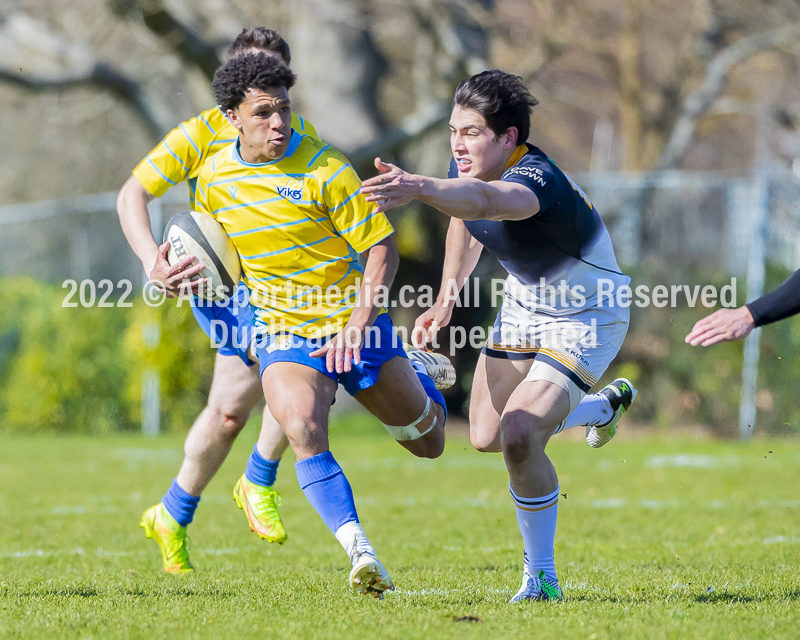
[171, 537]
[620, 394]
[260, 505]
[538, 589]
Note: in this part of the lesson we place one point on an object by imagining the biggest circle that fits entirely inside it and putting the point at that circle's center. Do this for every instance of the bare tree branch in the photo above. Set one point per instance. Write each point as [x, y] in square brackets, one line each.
[60, 64]
[101, 76]
[700, 100]
[412, 129]
[182, 39]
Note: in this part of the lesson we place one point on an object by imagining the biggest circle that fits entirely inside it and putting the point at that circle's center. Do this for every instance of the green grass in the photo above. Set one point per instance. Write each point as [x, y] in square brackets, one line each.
[656, 539]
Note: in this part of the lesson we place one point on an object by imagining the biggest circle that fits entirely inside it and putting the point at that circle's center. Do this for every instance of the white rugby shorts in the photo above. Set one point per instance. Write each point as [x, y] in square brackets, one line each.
[572, 351]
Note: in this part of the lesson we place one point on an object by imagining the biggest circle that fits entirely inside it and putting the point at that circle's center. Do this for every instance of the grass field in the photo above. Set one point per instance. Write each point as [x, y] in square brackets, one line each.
[676, 538]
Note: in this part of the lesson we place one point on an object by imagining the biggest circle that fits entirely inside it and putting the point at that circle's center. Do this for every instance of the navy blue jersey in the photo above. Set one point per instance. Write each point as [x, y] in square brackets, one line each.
[566, 241]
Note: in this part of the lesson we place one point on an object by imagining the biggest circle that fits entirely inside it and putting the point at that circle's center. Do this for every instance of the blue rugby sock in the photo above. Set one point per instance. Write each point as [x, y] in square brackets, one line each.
[259, 470]
[322, 480]
[430, 388]
[180, 504]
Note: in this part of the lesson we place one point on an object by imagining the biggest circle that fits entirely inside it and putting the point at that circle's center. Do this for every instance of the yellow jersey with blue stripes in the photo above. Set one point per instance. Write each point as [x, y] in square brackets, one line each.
[181, 154]
[298, 223]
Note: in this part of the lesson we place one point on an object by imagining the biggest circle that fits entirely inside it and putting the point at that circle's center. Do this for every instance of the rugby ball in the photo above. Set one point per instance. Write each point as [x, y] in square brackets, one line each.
[197, 234]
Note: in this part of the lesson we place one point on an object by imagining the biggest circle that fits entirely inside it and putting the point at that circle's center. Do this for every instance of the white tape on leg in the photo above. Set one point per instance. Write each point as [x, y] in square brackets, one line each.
[411, 432]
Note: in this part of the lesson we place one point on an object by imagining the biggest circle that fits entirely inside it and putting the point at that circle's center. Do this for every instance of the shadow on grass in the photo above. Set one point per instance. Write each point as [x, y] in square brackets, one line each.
[716, 597]
[726, 597]
[134, 592]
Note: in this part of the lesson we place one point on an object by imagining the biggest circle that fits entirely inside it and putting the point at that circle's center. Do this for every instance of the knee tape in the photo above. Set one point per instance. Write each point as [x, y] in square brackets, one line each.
[402, 434]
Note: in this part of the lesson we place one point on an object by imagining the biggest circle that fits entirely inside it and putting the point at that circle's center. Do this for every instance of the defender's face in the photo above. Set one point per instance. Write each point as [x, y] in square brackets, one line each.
[264, 120]
[478, 152]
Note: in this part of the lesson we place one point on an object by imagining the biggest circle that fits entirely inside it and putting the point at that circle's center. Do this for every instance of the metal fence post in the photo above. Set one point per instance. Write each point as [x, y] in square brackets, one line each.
[151, 337]
[758, 202]
[151, 384]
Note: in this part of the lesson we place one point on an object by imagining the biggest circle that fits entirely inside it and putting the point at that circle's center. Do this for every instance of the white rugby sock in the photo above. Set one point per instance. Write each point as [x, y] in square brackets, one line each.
[593, 410]
[537, 523]
[352, 538]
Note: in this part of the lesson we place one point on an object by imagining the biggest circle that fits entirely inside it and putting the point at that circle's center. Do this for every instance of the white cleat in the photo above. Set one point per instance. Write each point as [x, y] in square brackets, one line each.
[538, 589]
[437, 366]
[368, 576]
[621, 394]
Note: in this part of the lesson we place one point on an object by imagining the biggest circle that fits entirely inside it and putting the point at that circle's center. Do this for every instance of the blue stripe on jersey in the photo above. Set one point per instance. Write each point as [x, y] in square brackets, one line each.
[200, 189]
[319, 153]
[210, 128]
[358, 224]
[159, 171]
[189, 138]
[324, 184]
[173, 154]
[302, 122]
[289, 276]
[287, 249]
[338, 312]
[224, 140]
[275, 226]
[348, 199]
[249, 204]
[257, 177]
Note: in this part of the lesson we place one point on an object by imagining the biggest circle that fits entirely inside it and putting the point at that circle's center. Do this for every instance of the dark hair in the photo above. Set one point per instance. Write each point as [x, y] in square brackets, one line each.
[501, 99]
[250, 71]
[260, 38]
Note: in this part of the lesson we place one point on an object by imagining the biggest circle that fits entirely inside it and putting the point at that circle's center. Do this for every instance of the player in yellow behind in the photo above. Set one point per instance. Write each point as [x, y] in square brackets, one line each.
[236, 386]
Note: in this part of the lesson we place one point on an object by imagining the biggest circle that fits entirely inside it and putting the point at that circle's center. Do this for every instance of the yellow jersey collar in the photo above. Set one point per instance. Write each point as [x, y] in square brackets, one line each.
[520, 151]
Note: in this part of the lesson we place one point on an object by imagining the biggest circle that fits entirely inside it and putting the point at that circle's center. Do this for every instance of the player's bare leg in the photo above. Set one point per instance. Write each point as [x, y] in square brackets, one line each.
[530, 417]
[301, 397]
[488, 401]
[253, 492]
[235, 390]
[398, 399]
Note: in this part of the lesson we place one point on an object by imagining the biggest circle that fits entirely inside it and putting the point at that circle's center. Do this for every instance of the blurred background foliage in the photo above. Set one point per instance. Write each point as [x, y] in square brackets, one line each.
[80, 369]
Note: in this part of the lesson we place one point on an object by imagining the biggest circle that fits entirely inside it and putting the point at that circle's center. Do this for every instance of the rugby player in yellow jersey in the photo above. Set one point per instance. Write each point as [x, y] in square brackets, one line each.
[293, 208]
[236, 386]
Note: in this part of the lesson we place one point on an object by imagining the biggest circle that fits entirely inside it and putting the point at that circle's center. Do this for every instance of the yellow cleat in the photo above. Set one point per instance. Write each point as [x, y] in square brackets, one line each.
[171, 537]
[260, 505]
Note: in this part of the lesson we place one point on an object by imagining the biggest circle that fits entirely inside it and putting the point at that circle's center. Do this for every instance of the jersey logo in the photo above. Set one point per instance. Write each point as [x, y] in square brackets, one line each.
[280, 343]
[232, 190]
[293, 191]
[529, 172]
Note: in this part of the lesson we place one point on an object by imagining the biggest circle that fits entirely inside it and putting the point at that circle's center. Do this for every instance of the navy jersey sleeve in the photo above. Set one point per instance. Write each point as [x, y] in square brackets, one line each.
[541, 177]
[779, 304]
[452, 171]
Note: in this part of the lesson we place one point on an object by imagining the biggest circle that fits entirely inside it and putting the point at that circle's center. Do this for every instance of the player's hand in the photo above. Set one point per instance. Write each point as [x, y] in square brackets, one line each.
[175, 279]
[428, 324]
[343, 350]
[393, 188]
[724, 325]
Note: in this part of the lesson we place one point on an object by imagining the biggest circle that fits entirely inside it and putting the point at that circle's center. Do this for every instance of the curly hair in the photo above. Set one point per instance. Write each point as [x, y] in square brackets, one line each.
[260, 38]
[250, 71]
[501, 99]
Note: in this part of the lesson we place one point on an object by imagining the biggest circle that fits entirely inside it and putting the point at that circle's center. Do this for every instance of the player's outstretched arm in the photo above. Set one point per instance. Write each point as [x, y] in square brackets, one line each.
[734, 324]
[134, 218]
[460, 257]
[464, 198]
[723, 325]
[344, 349]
